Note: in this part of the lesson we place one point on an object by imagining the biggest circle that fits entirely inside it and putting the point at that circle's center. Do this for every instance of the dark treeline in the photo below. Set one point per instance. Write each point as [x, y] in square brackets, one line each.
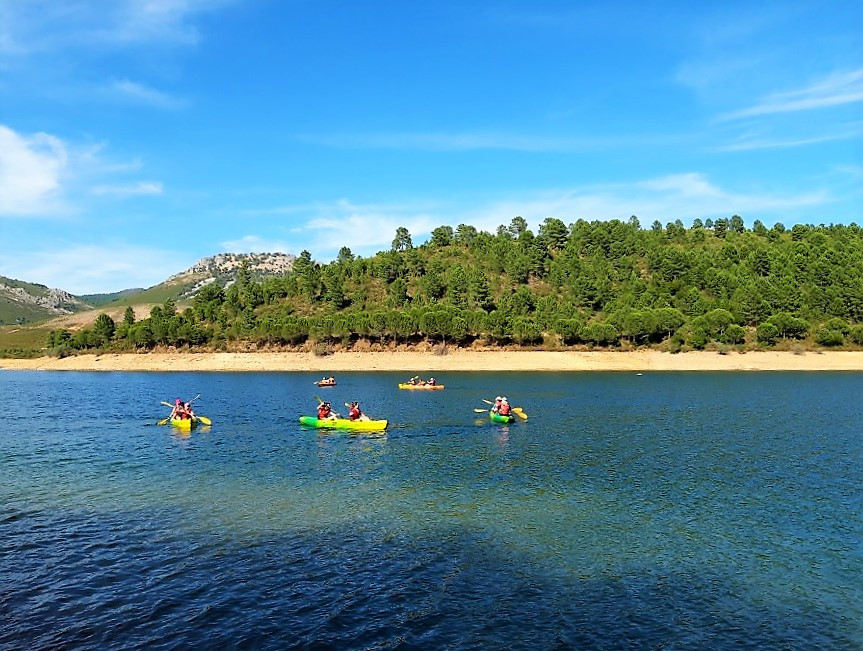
[599, 283]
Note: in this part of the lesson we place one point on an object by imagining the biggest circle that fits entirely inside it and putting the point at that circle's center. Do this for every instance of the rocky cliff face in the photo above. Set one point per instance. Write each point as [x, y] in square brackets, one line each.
[55, 300]
[227, 264]
[223, 269]
[22, 302]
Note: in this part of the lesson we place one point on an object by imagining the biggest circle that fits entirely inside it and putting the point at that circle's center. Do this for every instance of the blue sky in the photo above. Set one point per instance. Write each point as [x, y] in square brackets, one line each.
[139, 136]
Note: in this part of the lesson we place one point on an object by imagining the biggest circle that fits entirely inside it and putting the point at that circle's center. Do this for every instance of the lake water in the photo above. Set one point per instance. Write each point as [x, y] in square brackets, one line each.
[673, 511]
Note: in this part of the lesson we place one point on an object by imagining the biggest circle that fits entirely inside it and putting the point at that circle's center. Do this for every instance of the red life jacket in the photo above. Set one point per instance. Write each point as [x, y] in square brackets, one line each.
[354, 413]
[504, 409]
[323, 413]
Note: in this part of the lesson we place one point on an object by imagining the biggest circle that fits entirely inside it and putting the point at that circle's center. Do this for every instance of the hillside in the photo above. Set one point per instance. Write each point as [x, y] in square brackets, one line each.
[22, 302]
[220, 270]
[609, 284]
[29, 303]
[102, 299]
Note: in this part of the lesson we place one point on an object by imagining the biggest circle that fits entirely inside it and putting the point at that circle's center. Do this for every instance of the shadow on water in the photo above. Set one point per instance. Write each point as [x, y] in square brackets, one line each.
[133, 580]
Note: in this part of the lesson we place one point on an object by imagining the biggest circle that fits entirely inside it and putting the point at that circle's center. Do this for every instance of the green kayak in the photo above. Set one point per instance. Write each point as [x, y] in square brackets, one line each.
[500, 418]
[344, 423]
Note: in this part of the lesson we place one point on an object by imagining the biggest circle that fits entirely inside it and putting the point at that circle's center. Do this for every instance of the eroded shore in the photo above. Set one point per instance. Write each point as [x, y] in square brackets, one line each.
[454, 360]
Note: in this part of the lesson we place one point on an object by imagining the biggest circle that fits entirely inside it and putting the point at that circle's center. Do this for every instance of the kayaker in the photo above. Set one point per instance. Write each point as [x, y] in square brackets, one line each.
[504, 409]
[187, 411]
[325, 412]
[496, 407]
[177, 411]
[431, 381]
[355, 413]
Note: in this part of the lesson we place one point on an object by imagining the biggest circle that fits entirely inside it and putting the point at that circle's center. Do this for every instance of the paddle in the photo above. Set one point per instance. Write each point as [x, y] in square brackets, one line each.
[164, 421]
[480, 411]
[168, 404]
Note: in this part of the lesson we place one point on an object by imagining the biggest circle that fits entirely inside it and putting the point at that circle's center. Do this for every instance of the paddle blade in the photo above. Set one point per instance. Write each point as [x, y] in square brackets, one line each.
[480, 411]
[164, 421]
[488, 402]
[205, 420]
[519, 412]
[167, 404]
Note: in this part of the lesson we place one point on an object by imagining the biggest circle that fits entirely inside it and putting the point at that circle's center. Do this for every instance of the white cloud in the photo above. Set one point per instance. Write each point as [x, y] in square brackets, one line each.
[90, 269]
[837, 89]
[678, 196]
[43, 176]
[130, 189]
[30, 173]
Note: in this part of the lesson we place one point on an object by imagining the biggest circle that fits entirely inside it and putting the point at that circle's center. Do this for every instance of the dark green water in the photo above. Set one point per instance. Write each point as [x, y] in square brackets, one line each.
[672, 511]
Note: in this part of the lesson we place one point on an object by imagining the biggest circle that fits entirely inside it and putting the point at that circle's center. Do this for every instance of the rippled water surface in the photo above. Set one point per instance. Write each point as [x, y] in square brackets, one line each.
[672, 511]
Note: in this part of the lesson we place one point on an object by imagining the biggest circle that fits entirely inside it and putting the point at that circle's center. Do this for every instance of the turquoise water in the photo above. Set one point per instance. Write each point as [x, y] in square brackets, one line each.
[674, 511]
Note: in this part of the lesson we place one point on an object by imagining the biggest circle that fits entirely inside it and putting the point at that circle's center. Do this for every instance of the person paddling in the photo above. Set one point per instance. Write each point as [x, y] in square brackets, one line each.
[325, 412]
[504, 409]
[355, 413]
[178, 412]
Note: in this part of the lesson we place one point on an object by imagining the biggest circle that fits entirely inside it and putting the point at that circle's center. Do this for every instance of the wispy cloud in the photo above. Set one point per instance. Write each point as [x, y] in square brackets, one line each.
[470, 141]
[89, 269]
[130, 189]
[324, 228]
[30, 27]
[837, 89]
[753, 143]
[255, 244]
[143, 94]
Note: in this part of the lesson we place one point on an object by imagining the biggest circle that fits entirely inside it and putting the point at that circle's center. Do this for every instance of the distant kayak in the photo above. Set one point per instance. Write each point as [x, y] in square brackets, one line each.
[321, 383]
[344, 423]
[187, 424]
[500, 418]
[429, 387]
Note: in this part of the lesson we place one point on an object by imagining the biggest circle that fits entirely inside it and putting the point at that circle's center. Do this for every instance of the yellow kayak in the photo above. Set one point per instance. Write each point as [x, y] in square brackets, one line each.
[428, 387]
[345, 423]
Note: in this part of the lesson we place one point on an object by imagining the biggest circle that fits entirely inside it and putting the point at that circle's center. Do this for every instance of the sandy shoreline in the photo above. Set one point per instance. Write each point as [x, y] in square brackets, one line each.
[457, 360]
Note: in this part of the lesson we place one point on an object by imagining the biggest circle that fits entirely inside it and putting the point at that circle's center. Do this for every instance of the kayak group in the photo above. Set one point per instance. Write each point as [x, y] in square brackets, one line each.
[183, 417]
